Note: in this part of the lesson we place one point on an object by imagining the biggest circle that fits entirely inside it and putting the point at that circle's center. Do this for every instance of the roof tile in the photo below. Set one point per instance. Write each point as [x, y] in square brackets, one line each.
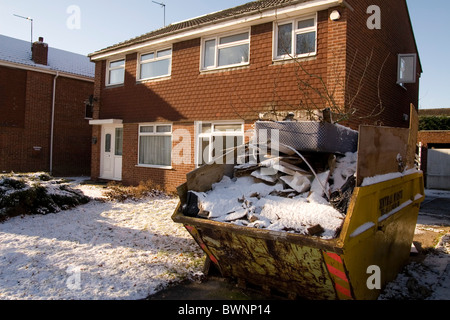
[248, 8]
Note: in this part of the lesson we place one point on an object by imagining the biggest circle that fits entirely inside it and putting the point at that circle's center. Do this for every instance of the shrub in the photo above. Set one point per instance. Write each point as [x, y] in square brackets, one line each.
[31, 194]
[10, 183]
[427, 123]
[122, 193]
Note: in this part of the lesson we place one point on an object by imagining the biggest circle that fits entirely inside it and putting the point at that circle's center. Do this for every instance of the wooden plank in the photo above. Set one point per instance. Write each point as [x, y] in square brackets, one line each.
[182, 192]
[379, 146]
[378, 150]
[202, 179]
[412, 141]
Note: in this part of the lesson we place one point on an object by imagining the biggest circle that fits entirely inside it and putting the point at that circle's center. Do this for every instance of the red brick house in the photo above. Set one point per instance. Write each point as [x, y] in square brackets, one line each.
[43, 125]
[210, 78]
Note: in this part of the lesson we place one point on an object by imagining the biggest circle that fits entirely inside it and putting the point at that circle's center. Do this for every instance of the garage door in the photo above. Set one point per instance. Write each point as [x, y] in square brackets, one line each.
[438, 169]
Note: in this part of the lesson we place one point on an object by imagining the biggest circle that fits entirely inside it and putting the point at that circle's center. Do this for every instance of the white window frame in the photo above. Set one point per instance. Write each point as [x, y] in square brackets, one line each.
[295, 32]
[155, 134]
[219, 46]
[200, 135]
[403, 60]
[109, 69]
[155, 52]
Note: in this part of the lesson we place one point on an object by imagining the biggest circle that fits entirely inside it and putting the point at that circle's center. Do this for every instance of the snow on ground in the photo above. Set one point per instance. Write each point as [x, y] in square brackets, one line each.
[429, 280]
[101, 250]
[432, 193]
[110, 250]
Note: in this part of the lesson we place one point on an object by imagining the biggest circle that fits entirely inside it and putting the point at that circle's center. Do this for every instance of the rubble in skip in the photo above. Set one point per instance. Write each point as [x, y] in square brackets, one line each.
[293, 185]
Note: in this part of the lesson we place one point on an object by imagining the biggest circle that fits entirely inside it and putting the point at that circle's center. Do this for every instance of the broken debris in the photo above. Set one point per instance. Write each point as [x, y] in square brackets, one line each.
[301, 184]
[281, 194]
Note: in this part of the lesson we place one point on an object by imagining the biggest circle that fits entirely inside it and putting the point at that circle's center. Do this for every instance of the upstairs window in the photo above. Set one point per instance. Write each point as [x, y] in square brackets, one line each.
[155, 64]
[226, 51]
[296, 39]
[116, 72]
[406, 72]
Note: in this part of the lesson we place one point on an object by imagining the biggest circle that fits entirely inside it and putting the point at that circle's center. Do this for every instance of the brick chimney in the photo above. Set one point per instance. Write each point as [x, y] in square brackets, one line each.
[40, 52]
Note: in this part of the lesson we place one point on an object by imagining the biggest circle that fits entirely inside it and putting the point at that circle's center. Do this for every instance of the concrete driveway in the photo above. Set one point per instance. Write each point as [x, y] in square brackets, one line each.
[436, 208]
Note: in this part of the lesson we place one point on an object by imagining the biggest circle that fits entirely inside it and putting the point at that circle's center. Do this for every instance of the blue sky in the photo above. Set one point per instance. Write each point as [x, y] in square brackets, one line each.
[107, 22]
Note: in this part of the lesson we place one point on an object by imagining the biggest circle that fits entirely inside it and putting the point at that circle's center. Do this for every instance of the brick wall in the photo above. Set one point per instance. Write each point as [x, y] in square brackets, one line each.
[434, 137]
[349, 61]
[40, 52]
[374, 46]
[73, 134]
[25, 147]
[12, 97]
[242, 92]
[164, 179]
[336, 59]
[36, 132]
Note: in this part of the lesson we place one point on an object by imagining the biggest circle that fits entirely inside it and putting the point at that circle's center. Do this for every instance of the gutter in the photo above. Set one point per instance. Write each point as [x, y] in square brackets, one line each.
[344, 3]
[45, 70]
[52, 129]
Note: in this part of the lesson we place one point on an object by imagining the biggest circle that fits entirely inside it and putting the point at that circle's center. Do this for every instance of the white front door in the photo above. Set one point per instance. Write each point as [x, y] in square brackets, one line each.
[111, 155]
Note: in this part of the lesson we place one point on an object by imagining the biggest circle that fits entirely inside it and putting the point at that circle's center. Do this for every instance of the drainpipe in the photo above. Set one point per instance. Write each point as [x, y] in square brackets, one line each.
[52, 129]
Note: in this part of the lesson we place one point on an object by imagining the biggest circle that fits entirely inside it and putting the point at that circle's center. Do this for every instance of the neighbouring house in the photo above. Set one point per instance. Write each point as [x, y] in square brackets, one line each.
[44, 95]
[434, 142]
[164, 99]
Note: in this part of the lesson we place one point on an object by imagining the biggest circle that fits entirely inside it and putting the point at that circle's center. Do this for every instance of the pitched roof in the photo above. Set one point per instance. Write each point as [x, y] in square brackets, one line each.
[19, 52]
[232, 13]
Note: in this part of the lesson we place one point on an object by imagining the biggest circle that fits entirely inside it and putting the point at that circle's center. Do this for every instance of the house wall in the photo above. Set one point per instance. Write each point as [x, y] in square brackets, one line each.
[189, 95]
[379, 84]
[12, 120]
[27, 109]
[243, 93]
[73, 134]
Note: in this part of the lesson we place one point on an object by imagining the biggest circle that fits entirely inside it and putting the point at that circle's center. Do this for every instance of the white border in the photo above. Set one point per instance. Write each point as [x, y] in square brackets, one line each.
[199, 135]
[414, 72]
[294, 23]
[154, 134]
[139, 63]
[233, 44]
[108, 69]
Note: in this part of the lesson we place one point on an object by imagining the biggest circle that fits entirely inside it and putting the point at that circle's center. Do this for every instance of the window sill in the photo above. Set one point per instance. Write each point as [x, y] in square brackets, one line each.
[225, 69]
[154, 167]
[402, 85]
[279, 60]
[150, 80]
[112, 86]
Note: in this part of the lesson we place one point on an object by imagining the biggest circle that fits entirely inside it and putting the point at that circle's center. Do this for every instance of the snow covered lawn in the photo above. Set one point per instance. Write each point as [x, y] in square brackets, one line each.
[102, 250]
[112, 250]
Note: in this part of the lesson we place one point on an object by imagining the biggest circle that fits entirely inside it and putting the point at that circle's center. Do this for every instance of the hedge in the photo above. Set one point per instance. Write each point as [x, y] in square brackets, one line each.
[428, 123]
